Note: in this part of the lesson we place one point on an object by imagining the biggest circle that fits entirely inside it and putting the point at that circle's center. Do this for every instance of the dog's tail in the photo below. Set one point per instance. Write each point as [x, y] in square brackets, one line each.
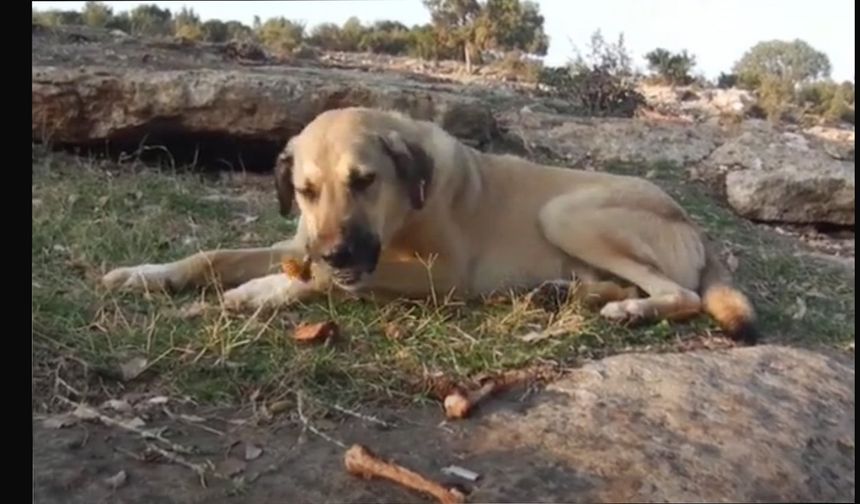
[728, 306]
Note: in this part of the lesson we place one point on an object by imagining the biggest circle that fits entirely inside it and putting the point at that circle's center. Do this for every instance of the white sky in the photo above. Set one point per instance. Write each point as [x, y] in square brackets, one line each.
[716, 31]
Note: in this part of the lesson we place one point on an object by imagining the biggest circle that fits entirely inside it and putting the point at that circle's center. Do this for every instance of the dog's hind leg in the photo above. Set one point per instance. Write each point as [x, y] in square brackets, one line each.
[662, 257]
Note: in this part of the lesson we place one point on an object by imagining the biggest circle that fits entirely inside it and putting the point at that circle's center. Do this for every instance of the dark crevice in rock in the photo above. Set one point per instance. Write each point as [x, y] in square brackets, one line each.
[174, 147]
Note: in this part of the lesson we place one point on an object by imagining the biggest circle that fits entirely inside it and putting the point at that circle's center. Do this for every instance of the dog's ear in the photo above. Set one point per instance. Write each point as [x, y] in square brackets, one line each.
[284, 179]
[413, 165]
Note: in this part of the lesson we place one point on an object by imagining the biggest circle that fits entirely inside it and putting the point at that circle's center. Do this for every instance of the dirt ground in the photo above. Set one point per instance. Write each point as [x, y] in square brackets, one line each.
[74, 464]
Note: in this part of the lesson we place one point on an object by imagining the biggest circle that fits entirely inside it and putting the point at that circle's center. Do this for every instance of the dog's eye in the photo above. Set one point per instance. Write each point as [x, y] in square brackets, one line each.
[361, 182]
[309, 193]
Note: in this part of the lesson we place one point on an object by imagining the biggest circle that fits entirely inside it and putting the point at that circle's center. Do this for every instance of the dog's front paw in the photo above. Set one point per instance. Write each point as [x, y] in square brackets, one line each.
[265, 292]
[141, 277]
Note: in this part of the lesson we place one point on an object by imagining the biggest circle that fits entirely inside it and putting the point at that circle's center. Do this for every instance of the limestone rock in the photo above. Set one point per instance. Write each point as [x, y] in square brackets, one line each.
[764, 423]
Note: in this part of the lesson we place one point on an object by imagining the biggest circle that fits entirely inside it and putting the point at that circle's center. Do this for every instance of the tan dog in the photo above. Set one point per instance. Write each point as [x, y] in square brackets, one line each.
[382, 196]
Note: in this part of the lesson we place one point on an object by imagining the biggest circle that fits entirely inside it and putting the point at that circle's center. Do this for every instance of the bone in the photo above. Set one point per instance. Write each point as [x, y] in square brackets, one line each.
[360, 461]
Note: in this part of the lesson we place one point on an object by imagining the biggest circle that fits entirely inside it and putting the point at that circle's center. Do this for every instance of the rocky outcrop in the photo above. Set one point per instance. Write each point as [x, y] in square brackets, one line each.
[769, 424]
[611, 139]
[783, 177]
[95, 104]
[794, 194]
[94, 89]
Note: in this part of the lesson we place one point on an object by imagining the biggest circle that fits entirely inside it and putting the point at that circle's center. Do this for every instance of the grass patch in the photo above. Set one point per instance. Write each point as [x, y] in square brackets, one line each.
[89, 217]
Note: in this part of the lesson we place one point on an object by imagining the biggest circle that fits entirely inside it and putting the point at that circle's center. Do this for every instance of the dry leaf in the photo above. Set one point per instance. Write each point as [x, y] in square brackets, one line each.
[732, 261]
[801, 309]
[117, 480]
[133, 368]
[134, 423]
[103, 201]
[279, 407]
[59, 421]
[320, 331]
[252, 451]
[393, 331]
[231, 467]
[117, 405]
[83, 412]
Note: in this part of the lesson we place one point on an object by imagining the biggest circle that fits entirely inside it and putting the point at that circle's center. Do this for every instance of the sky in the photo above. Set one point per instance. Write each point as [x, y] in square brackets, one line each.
[717, 32]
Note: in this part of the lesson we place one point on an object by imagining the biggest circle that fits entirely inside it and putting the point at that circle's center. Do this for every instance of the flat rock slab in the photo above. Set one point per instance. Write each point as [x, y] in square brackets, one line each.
[757, 424]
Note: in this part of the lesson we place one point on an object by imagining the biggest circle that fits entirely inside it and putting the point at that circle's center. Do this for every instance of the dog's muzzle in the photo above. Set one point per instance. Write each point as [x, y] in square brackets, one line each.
[354, 258]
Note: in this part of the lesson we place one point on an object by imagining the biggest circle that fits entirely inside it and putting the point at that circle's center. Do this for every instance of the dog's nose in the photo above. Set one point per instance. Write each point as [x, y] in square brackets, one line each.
[340, 256]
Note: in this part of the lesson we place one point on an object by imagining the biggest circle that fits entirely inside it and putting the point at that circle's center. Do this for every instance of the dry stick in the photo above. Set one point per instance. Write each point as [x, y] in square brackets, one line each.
[310, 427]
[362, 416]
[136, 430]
[199, 469]
[362, 462]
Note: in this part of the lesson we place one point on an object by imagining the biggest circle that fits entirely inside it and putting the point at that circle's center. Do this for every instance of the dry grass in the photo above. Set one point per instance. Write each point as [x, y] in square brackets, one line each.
[91, 216]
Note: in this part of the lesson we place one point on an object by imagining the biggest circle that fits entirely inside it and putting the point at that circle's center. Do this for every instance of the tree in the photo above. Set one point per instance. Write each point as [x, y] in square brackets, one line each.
[150, 20]
[794, 62]
[326, 36]
[238, 31]
[672, 68]
[97, 14]
[281, 34]
[455, 24]
[216, 31]
[187, 26]
[351, 34]
[511, 25]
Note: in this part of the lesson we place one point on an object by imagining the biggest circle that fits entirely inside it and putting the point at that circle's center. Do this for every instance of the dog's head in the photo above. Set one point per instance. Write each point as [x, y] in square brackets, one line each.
[355, 178]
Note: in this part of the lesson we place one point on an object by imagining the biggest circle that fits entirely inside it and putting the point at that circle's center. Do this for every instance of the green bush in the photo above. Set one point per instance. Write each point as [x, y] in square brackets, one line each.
[671, 68]
[517, 66]
[602, 82]
[776, 98]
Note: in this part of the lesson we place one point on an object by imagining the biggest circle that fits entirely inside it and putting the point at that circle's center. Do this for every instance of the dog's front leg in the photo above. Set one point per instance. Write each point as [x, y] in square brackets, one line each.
[276, 290]
[229, 267]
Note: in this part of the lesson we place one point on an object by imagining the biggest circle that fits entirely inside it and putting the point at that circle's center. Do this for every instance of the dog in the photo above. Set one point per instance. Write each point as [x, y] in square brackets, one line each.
[392, 206]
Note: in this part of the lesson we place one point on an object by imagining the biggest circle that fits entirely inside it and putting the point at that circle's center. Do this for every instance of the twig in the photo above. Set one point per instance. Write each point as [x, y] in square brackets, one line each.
[362, 416]
[308, 426]
[146, 434]
[199, 469]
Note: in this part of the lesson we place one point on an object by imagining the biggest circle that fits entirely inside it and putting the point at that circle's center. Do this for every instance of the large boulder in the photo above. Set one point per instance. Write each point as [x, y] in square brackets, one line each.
[782, 176]
[94, 104]
[611, 139]
[796, 195]
[760, 424]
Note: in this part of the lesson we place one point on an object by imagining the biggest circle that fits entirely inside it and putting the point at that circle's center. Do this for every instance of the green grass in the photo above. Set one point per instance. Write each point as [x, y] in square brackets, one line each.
[89, 217]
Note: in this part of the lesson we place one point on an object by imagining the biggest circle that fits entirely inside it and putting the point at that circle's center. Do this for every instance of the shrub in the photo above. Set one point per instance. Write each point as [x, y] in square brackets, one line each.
[601, 82]
[671, 68]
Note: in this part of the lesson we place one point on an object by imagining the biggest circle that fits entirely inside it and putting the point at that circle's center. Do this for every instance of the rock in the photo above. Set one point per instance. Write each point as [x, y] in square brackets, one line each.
[782, 176]
[765, 423]
[796, 195]
[613, 139]
[89, 105]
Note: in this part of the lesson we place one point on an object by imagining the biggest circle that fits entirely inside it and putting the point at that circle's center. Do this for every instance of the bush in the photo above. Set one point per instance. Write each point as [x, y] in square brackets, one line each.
[517, 66]
[794, 62]
[281, 35]
[602, 82]
[727, 81]
[776, 98]
[671, 68]
[394, 42]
